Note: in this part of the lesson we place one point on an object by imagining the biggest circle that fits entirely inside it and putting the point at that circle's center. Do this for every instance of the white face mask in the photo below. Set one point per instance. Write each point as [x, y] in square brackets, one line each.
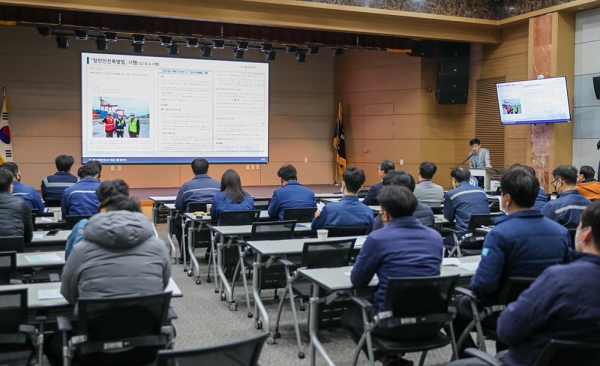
[578, 243]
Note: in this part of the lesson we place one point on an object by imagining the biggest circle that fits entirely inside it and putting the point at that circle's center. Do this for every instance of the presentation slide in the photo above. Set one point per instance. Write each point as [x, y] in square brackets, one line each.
[534, 101]
[164, 110]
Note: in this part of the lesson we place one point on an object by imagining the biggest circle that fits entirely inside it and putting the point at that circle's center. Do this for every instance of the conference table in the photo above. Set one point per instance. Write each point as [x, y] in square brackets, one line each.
[336, 281]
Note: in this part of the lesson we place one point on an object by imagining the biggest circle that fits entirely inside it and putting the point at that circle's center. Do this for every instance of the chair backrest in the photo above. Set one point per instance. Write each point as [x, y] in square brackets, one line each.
[196, 207]
[479, 220]
[72, 220]
[273, 230]
[327, 254]
[418, 299]
[374, 202]
[123, 324]
[572, 236]
[306, 214]
[34, 215]
[241, 353]
[13, 310]
[262, 204]
[337, 231]
[437, 210]
[560, 353]
[8, 267]
[12, 244]
[362, 193]
[52, 202]
[512, 289]
[232, 218]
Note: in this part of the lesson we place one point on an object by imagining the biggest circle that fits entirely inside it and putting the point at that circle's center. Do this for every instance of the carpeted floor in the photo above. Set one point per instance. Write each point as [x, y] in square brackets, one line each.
[204, 320]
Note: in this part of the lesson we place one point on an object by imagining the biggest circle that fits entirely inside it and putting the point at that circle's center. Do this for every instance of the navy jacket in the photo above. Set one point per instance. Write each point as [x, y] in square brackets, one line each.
[349, 211]
[403, 248]
[423, 213]
[462, 202]
[29, 194]
[81, 199]
[201, 189]
[563, 303]
[541, 199]
[292, 195]
[567, 208]
[372, 193]
[53, 186]
[522, 244]
[222, 202]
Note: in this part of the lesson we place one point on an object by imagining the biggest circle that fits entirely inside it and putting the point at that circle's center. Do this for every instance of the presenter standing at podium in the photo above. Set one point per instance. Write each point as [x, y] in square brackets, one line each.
[479, 157]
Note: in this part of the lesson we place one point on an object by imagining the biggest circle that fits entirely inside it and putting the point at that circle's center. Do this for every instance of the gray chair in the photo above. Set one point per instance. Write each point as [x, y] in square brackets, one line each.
[475, 242]
[338, 231]
[12, 244]
[306, 214]
[17, 339]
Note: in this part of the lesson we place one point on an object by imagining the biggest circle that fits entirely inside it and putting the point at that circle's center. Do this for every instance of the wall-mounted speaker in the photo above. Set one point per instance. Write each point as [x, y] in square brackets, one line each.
[453, 68]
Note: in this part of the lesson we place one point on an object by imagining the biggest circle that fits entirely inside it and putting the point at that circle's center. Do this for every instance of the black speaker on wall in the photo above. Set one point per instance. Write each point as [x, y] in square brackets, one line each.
[453, 59]
[596, 80]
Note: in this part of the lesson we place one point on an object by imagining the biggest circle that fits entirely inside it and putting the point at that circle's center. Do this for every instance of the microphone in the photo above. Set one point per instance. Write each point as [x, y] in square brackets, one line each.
[468, 157]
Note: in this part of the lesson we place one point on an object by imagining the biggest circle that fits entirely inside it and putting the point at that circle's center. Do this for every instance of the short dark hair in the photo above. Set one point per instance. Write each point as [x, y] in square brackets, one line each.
[64, 163]
[6, 179]
[354, 178]
[461, 174]
[110, 188]
[474, 142]
[387, 165]
[87, 170]
[399, 178]
[591, 218]
[397, 201]
[97, 164]
[522, 187]
[587, 171]
[524, 168]
[568, 173]
[427, 169]
[200, 166]
[231, 184]
[120, 203]
[11, 167]
[287, 173]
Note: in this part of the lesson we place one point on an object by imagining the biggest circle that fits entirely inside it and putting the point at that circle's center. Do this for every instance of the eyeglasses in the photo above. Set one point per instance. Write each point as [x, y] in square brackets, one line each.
[554, 182]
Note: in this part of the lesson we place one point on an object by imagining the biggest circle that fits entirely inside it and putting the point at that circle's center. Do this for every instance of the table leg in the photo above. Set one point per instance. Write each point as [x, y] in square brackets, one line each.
[259, 307]
[183, 243]
[315, 345]
[155, 206]
[191, 244]
[225, 288]
[170, 237]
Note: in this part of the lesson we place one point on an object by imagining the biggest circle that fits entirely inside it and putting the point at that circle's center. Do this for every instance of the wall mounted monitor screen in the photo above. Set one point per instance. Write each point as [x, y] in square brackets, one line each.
[534, 101]
[161, 110]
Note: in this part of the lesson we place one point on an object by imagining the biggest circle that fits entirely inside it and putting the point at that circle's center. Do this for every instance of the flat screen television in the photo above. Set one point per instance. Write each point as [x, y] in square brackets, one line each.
[534, 101]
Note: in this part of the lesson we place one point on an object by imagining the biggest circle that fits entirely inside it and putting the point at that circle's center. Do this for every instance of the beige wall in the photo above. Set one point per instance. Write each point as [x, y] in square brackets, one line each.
[43, 85]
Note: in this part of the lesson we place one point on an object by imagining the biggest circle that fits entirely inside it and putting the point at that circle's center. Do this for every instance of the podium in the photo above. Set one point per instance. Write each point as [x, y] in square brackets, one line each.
[486, 175]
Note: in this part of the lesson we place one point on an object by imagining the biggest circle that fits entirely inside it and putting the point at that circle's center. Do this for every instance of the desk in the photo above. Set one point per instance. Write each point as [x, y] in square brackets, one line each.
[335, 280]
[23, 263]
[49, 222]
[483, 230]
[157, 201]
[278, 248]
[44, 242]
[238, 231]
[440, 221]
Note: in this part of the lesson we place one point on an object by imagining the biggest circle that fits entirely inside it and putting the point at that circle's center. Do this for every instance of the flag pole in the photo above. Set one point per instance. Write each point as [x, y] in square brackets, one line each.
[335, 162]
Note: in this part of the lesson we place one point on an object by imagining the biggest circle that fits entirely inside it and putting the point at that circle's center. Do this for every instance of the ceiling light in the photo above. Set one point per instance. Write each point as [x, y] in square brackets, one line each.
[165, 40]
[173, 50]
[270, 55]
[63, 42]
[313, 50]
[238, 54]
[337, 51]
[138, 47]
[265, 47]
[242, 45]
[81, 35]
[218, 44]
[110, 36]
[192, 42]
[102, 44]
[44, 31]
[291, 49]
[206, 51]
[138, 39]
[300, 56]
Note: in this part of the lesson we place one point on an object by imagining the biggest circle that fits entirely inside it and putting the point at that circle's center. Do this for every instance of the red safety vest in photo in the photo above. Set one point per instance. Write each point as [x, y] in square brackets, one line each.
[109, 124]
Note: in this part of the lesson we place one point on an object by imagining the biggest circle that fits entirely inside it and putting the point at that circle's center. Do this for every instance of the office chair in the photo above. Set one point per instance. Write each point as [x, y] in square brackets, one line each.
[17, 339]
[470, 237]
[118, 331]
[52, 202]
[302, 215]
[338, 231]
[242, 353]
[72, 220]
[12, 244]
[8, 268]
[325, 254]
[439, 210]
[415, 309]
[262, 204]
[513, 287]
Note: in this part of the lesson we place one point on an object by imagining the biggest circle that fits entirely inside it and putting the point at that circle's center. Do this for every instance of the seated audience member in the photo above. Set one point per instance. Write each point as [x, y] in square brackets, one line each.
[81, 199]
[384, 167]
[403, 248]
[232, 196]
[426, 191]
[27, 193]
[105, 190]
[563, 303]
[462, 202]
[401, 178]
[542, 198]
[53, 186]
[586, 184]
[522, 244]
[201, 189]
[119, 256]
[567, 208]
[15, 214]
[349, 211]
[291, 195]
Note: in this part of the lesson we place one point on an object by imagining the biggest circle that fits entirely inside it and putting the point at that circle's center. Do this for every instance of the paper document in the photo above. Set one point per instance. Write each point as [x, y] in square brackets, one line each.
[49, 294]
[450, 262]
[46, 219]
[38, 236]
[360, 242]
[469, 266]
[46, 257]
[320, 206]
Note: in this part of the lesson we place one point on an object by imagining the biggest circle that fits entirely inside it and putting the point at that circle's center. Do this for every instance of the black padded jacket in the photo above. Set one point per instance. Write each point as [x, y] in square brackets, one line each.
[15, 217]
